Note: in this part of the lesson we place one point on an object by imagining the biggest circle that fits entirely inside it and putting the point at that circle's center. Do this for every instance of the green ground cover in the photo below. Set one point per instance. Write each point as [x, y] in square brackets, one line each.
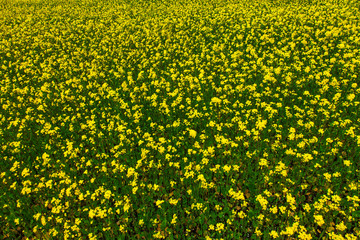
[179, 120]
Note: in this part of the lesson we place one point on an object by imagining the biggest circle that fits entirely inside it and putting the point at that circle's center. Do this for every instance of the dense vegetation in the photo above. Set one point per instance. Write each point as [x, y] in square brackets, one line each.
[179, 119]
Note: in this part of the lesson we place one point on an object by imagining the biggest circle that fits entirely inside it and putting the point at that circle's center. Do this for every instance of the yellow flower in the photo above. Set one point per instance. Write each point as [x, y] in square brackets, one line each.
[258, 232]
[305, 236]
[327, 176]
[130, 172]
[220, 227]
[341, 226]
[205, 161]
[25, 172]
[212, 123]
[307, 207]
[173, 201]
[92, 213]
[319, 220]
[347, 163]
[127, 207]
[274, 234]
[290, 199]
[91, 237]
[317, 165]
[337, 174]
[307, 157]
[274, 209]
[37, 216]
[134, 190]
[215, 100]
[263, 202]
[241, 214]
[45, 158]
[277, 70]
[159, 202]
[263, 162]
[218, 207]
[282, 209]
[237, 195]
[173, 221]
[260, 124]
[107, 194]
[192, 133]
[43, 220]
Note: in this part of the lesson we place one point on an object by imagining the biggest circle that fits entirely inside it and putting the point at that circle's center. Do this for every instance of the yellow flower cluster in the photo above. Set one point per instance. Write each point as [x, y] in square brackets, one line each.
[219, 119]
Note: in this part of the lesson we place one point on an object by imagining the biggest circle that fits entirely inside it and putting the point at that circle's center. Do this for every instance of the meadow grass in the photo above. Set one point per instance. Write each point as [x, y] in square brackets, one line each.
[179, 119]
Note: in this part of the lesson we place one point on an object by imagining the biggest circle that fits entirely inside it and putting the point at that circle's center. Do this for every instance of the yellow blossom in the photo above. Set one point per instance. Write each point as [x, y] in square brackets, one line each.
[319, 220]
[274, 234]
[220, 227]
[341, 226]
[258, 232]
[173, 221]
[192, 133]
[159, 202]
[305, 236]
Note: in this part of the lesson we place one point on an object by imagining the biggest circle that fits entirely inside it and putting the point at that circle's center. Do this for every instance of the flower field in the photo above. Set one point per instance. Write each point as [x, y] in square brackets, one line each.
[213, 119]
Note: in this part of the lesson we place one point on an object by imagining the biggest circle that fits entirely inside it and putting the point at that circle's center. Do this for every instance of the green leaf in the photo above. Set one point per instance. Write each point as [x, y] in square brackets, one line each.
[356, 214]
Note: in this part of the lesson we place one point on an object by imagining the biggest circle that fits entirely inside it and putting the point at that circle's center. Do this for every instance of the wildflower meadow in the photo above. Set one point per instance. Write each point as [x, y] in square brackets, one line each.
[209, 119]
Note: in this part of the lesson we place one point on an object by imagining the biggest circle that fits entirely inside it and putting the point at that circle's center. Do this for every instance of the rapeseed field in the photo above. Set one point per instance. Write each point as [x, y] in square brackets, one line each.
[213, 119]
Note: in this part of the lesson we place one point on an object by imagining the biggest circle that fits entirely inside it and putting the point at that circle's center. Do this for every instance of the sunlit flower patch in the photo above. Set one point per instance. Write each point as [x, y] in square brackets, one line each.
[179, 120]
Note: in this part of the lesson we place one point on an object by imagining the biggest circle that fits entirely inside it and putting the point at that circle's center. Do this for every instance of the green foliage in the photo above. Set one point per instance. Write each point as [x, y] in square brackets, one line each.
[214, 119]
